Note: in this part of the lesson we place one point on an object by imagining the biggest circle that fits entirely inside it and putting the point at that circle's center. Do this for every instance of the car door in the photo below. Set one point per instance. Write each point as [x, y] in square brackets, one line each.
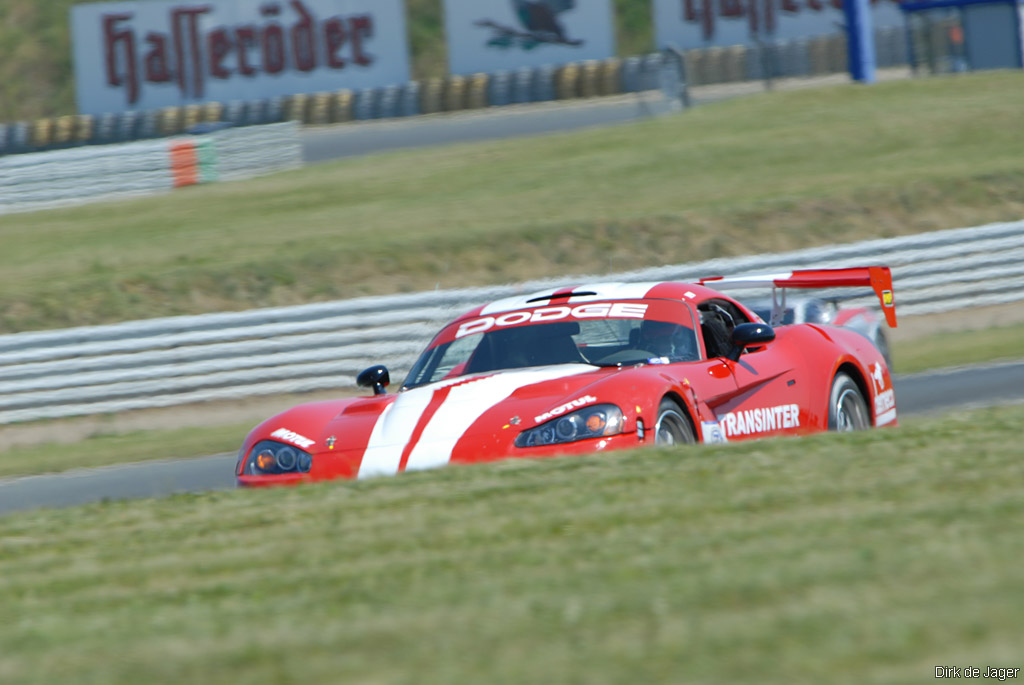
[772, 388]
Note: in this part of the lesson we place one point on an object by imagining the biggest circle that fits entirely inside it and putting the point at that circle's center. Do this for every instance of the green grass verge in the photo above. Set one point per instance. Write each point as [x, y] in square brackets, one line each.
[958, 347]
[773, 172]
[866, 558]
[104, 449]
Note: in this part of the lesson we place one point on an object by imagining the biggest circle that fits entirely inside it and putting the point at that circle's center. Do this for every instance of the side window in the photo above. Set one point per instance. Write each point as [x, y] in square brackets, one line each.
[717, 319]
[735, 312]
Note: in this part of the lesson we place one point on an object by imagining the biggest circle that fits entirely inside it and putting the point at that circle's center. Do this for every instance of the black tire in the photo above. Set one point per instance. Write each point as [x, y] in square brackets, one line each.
[672, 427]
[847, 410]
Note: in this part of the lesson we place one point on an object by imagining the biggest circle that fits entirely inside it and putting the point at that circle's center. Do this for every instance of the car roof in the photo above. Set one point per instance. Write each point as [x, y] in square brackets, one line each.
[597, 292]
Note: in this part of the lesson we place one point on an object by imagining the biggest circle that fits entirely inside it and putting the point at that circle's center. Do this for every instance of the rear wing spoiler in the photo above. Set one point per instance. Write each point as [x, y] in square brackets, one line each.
[878, 278]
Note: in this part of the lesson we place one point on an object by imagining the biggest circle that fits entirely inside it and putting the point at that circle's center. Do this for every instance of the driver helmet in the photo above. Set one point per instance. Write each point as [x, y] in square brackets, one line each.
[666, 339]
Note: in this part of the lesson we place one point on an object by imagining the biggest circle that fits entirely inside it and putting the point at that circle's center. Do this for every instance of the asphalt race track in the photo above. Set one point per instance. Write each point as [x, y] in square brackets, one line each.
[321, 144]
[930, 392]
[324, 143]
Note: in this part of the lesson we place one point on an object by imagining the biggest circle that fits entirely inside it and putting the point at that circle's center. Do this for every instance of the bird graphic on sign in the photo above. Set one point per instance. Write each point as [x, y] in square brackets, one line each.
[540, 24]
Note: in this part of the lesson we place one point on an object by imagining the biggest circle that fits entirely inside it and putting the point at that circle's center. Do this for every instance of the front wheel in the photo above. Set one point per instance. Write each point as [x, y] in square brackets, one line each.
[672, 428]
[847, 410]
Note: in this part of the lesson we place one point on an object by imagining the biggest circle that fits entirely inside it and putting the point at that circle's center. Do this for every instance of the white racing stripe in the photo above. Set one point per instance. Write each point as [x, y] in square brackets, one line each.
[603, 291]
[466, 402]
[391, 433]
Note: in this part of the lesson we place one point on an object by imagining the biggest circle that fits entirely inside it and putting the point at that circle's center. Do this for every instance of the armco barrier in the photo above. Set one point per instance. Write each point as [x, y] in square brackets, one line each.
[85, 174]
[178, 360]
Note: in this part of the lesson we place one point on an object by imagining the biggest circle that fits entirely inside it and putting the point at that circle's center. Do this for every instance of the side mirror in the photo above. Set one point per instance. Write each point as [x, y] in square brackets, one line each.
[749, 335]
[376, 377]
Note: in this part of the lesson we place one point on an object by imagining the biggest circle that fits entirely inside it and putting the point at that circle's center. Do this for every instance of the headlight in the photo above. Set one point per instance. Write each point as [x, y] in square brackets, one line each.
[268, 456]
[592, 422]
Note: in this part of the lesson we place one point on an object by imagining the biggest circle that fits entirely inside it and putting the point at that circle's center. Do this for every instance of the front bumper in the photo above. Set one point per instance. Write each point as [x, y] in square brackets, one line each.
[583, 447]
[273, 479]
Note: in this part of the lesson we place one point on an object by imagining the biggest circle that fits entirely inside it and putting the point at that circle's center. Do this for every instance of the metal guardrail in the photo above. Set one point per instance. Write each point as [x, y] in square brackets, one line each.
[41, 180]
[185, 359]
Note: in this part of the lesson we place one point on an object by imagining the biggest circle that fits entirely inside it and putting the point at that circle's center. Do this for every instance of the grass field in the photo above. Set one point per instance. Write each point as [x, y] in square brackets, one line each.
[772, 172]
[959, 348]
[866, 558]
[105, 448]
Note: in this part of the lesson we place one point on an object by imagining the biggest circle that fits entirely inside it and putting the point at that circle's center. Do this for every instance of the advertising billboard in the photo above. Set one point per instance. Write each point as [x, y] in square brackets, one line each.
[148, 55]
[495, 35]
[687, 24]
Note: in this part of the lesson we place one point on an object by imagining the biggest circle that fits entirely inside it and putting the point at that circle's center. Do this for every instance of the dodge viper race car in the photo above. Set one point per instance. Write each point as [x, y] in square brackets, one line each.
[592, 368]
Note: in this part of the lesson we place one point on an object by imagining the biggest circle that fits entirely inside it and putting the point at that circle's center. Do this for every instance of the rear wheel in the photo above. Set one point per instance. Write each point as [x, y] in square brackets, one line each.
[672, 428]
[847, 410]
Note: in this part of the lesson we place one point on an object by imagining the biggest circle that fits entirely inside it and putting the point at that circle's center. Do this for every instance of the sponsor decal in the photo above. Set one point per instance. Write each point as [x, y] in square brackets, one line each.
[885, 407]
[760, 420]
[712, 432]
[877, 376]
[188, 53]
[558, 411]
[330, 442]
[539, 23]
[151, 54]
[293, 437]
[884, 401]
[887, 299]
[616, 310]
[711, 22]
[491, 35]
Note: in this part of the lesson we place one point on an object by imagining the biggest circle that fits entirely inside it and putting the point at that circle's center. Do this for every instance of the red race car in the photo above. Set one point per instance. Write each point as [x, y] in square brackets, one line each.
[592, 368]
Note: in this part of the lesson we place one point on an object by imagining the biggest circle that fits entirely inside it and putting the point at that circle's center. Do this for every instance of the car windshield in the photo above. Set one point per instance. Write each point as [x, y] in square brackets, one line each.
[597, 333]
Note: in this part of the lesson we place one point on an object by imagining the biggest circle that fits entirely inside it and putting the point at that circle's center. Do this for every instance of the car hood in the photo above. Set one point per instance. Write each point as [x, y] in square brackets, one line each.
[428, 426]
